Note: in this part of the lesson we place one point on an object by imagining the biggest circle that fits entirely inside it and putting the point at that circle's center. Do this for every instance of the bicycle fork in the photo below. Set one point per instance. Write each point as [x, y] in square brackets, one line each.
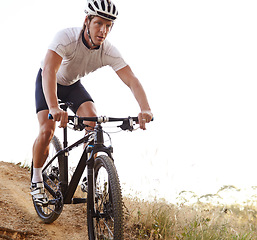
[92, 151]
[91, 189]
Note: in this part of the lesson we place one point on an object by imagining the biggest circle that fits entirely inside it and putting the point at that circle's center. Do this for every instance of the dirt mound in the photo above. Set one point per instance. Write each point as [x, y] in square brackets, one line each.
[18, 219]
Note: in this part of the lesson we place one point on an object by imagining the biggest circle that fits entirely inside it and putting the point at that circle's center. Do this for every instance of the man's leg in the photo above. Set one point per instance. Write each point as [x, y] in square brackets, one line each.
[87, 109]
[40, 153]
[41, 144]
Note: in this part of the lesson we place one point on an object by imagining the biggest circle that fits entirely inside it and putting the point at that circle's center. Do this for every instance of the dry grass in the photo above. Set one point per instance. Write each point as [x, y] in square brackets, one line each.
[196, 221]
[160, 220]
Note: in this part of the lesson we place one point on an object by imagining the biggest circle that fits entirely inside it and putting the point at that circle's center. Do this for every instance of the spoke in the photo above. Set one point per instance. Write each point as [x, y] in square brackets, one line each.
[109, 230]
[52, 210]
[110, 234]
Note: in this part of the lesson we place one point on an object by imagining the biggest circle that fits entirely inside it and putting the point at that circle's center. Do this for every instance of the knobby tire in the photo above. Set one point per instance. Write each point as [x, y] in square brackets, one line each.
[108, 221]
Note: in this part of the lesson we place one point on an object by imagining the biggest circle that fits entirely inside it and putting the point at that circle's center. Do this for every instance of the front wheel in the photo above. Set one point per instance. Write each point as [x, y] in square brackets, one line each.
[105, 220]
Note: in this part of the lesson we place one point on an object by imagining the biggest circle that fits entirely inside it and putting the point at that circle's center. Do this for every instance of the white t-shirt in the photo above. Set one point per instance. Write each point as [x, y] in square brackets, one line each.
[78, 60]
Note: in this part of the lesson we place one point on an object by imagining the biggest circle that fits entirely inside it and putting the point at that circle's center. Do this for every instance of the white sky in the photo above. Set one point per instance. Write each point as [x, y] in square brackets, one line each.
[197, 63]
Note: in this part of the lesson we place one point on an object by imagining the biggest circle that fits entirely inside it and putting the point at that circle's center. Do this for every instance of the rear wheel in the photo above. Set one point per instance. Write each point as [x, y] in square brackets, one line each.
[105, 221]
[51, 176]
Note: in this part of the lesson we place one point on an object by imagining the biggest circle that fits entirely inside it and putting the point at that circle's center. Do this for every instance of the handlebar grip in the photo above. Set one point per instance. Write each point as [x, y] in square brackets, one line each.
[136, 119]
[50, 116]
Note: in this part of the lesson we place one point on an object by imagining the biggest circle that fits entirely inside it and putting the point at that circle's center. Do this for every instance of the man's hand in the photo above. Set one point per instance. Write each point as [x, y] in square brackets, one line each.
[144, 117]
[59, 116]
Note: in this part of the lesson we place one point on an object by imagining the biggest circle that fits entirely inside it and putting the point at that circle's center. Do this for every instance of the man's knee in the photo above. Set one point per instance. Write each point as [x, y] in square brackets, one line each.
[46, 134]
[87, 109]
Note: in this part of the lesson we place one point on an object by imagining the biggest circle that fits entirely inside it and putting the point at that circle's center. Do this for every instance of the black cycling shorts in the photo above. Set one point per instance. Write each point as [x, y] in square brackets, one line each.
[75, 93]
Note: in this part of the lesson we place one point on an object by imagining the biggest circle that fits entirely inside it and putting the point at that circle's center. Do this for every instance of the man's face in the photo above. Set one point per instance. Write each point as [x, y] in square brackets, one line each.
[99, 29]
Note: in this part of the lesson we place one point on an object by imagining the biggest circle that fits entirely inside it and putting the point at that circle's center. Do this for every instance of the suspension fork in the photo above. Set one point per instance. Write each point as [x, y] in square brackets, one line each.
[91, 189]
[98, 146]
[91, 176]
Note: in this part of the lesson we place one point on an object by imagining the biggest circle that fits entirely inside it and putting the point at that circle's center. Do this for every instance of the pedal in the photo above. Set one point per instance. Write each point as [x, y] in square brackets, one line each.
[54, 173]
[84, 187]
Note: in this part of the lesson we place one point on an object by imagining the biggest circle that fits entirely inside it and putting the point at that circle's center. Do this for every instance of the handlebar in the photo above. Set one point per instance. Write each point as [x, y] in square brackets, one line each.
[101, 119]
[78, 121]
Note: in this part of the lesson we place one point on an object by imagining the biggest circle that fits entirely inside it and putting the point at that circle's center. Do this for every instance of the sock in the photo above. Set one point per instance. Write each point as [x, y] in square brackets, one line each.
[37, 175]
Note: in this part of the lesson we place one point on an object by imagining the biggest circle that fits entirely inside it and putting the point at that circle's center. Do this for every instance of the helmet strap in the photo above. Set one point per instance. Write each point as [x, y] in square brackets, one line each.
[89, 35]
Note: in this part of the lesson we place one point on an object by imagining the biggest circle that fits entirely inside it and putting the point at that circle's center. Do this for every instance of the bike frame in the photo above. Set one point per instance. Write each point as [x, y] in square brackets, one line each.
[105, 213]
[87, 159]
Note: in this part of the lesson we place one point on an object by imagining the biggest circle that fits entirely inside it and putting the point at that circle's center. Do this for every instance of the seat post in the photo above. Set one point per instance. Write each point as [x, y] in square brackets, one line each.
[64, 106]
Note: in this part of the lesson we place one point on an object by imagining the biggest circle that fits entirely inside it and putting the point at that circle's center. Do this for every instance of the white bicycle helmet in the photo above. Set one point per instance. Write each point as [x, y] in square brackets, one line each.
[102, 8]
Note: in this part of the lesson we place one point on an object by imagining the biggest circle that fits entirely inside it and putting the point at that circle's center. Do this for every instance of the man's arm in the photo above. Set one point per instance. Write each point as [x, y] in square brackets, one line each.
[128, 77]
[52, 64]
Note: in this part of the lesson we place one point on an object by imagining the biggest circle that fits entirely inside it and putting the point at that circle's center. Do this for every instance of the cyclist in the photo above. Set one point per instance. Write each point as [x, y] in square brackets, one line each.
[74, 53]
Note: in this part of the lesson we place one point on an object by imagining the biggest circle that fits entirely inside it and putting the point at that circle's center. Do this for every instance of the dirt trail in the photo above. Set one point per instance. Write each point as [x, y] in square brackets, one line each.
[18, 219]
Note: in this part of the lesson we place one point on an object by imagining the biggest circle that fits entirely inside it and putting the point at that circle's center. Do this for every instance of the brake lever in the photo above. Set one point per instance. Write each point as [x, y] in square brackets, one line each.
[127, 124]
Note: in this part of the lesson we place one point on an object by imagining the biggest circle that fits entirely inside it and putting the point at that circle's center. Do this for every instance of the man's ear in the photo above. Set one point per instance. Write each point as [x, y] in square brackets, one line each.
[86, 22]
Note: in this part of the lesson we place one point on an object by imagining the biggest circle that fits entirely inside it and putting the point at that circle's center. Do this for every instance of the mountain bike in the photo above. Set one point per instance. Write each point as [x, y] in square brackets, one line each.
[104, 198]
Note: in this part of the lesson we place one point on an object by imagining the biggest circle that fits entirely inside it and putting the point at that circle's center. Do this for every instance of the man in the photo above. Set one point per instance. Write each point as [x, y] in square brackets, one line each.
[74, 53]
